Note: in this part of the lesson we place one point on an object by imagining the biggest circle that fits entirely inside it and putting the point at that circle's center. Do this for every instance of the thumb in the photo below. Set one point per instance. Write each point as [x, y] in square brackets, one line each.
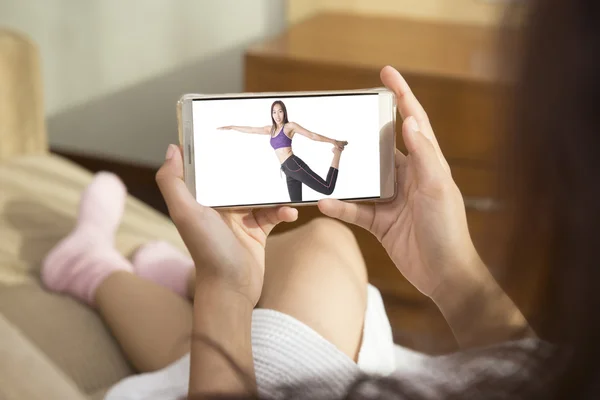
[268, 218]
[422, 152]
[169, 179]
[358, 214]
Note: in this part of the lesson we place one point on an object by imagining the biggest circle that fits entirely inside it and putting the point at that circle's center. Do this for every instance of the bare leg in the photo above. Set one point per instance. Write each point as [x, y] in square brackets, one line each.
[314, 273]
[152, 324]
[337, 154]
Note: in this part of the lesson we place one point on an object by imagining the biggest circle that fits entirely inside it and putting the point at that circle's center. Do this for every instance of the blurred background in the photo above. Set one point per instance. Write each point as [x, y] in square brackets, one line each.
[111, 73]
[113, 70]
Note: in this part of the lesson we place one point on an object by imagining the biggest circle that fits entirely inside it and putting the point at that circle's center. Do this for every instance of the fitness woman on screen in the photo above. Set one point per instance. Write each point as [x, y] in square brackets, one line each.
[296, 171]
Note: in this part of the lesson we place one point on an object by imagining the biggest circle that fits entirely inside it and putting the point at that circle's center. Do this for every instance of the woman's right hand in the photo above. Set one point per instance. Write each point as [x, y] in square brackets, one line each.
[225, 128]
[424, 229]
[340, 144]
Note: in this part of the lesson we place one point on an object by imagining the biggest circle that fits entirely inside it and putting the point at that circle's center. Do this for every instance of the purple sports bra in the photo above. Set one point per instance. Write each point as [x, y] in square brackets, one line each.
[281, 140]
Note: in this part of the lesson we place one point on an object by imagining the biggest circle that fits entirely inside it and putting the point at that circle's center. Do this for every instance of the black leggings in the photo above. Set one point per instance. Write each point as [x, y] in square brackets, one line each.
[297, 173]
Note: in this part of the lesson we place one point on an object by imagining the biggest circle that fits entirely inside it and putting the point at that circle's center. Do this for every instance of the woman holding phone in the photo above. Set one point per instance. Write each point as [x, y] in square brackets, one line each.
[282, 132]
[551, 201]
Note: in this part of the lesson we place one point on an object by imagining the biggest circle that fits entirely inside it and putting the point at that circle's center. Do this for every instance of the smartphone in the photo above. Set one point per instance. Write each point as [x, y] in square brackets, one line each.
[255, 150]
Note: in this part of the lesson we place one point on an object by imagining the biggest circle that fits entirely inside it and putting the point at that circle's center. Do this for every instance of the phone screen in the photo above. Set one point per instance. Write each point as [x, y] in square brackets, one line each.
[288, 149]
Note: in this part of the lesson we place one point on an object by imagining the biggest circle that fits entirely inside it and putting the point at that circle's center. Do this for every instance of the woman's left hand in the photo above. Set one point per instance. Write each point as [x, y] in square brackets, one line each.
[227, 247]
[340, 144]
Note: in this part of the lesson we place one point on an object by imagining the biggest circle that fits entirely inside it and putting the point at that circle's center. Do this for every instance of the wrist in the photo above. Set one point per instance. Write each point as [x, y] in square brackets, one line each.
[466, 283]
[220, 293]
[222, 314]
[478, 311]
[222, 325]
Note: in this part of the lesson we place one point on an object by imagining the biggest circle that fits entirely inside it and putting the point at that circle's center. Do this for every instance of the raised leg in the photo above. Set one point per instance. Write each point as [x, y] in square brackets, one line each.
[300, 171]
[151, 323]
[337, 154]
[316, 274]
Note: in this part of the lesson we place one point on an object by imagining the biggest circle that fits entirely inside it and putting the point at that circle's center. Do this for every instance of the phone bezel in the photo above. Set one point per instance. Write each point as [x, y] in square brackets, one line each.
[387, 139]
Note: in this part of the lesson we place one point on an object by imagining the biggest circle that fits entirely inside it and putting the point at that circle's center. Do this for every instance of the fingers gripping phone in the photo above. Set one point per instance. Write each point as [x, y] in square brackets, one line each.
[268, 149]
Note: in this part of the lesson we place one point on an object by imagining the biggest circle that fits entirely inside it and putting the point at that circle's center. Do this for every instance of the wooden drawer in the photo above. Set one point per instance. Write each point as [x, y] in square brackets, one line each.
[462, 113]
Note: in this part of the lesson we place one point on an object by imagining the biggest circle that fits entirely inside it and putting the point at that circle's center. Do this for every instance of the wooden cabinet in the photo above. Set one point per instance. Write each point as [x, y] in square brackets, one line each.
[449, 70]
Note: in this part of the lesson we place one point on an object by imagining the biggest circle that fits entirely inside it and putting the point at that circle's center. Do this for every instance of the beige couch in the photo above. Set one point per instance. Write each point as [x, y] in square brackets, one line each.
[51, 347]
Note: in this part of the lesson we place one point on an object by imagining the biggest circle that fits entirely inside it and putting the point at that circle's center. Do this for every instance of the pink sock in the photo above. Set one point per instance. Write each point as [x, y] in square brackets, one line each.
[165, 265]
[80, 262]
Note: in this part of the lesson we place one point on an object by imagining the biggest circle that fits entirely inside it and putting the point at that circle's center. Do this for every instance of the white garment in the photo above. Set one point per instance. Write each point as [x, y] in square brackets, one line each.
[287, 352]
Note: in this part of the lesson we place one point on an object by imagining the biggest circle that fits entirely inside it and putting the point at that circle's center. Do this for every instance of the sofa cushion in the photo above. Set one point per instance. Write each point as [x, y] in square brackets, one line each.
[99, 395]
[39, 198]
[26, 373]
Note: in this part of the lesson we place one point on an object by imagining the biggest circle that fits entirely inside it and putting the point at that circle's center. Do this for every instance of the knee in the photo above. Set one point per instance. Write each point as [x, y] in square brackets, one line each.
[328, 233]
[329, 236]
[322, 250]
[324, 226]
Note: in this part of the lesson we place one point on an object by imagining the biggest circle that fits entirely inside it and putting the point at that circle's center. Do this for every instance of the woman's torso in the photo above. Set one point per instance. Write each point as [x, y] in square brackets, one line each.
[281, 142]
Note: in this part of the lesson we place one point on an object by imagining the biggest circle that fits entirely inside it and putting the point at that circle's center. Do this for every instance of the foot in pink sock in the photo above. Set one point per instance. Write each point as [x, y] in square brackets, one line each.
[165, 265]
[81, 261]
[102, 204]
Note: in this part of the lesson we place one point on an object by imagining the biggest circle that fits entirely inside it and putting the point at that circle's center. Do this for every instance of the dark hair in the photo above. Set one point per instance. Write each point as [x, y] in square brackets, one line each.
[285, 114]
[551, 176]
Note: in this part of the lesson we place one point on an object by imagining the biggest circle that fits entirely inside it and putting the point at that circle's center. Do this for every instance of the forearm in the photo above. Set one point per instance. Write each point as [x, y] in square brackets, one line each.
[320, 138]
[224, 318]
[244, 129]
[479, 312]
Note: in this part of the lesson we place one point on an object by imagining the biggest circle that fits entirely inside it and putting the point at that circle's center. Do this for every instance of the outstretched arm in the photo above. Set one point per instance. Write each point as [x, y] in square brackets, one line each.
[262, 130]
[296, 128]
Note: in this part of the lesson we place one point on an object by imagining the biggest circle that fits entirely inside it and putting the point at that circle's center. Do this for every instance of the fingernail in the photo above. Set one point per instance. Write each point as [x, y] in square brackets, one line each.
[412, 124]
[170, 152]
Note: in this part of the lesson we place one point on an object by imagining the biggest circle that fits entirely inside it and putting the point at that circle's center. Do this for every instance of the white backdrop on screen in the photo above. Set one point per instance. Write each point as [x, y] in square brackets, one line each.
[234, 168]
